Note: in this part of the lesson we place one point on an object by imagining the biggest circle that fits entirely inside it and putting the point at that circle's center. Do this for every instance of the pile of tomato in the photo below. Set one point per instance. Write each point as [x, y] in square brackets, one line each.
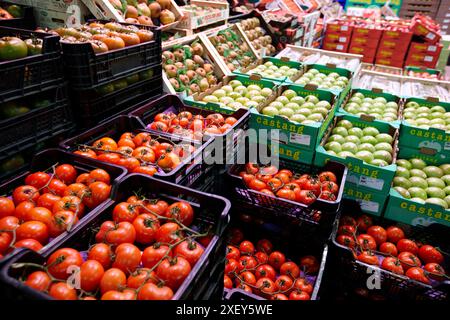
[48, 204]
[145, 252]
[192, 126]
[138, 153]
[390, 249]
[263, 271]
[104, 37]
[285, 184]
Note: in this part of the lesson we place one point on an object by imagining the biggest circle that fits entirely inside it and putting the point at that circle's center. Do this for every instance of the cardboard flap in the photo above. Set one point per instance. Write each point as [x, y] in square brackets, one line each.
[366, 117]
[377, 90]
[311, 87]
[432, 99]
[331, 65]
[285, 59]
[255, 77]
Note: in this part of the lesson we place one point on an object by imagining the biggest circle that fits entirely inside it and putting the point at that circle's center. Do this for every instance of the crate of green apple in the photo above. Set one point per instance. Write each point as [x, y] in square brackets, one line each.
[411, 261]
[426, 123]
[274, 69]
[335, 79]
[233, 93]
[368, 148]
[189, 67]
[373, 103]
[234, 49]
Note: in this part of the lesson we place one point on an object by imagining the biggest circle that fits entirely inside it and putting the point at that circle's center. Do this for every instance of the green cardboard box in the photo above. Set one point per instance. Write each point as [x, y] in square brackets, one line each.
[196, 100]
[293, 134]
[416, 138]
[370, 202]
[373, 178]
[374, 93]
[414, 213]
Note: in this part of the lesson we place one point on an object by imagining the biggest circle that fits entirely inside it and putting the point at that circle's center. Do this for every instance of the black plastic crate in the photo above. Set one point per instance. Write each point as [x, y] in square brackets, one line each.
[191, 166]
[294, 209]
[211, 213]
[90, 108]
[38, 123]
[393, 287]
[291, 240]
[31, 74]
[46, 159]
[27, 21]
[85, 69]
[172, 103]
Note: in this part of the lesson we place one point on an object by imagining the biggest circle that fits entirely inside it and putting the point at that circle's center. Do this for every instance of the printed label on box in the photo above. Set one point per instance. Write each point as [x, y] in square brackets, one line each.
[447, 146]
[432, 48]
[344, 28]
[300, 139]
[339, 47]
[369, 206]
[430, 36]
[371, 182]
[428, 59]
[342, 39]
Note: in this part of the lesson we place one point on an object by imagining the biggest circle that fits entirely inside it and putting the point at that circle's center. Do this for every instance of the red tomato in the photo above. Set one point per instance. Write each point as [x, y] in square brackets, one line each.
[347, 230]
[395, 234]
[247, 263]
[307, 197]
[102, 253]
[330, 187]
[127, 257]
[113, 279]
[407, 245]
[182, 211]
[115, 234]
[347, 241]
[389, 248]
[262, 257]
[59, 262]
[392, 264]
[173, 271]
[7, 207]
[37, 179]
[430, 254]
[378, 233]
[435, 271]
[169, 233]
[246, 277]
[299, 295]
[327, 176]
[418, 274]
[364, 222]
[153, 254]
[38, 280]
[25, 193]
[348, 221]
[91, 273]
[33, 230]
[190, 250]
[29, 243]
[66, 173]
[279, 296]
[48, 200]
[233, 252]
[284, 283]
[125, 211]
[62, 291]
[266, 286]
[246, 247]
[266, 271]
[55, 186]
[140, 277]
[368, 257]
[151, 291]
[309, 264]
[367, 242]
[409, 260]
[264, 246]
[227, 282]
[146, 226]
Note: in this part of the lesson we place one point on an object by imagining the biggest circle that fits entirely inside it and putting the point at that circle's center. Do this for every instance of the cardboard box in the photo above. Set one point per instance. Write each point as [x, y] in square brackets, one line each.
[397, 35]
[421, 60]
[391, 53]
[339, 28]
[335, 46]
[426, 48]
[336, 38]
[364, 42]
[55, 19]
[367, 33]
[422, 28]
[398, 63]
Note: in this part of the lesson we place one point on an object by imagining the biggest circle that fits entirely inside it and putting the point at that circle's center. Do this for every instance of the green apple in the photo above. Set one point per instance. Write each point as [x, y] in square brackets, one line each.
[251, 104]
[234, 95]
[265, 92]
[435, 182]
[235, 83]
[340, 131]
[412, 104]
[308, 105]
[419, 182]
[242, 100]
[334, 146]
[419, 200]
[402, 172]
[270, 111]
[371, 131]
[365, 156]
[323, 104]
[353, 139]
[299, 118]
[322, 111]
[345, 154]
[337, 138]
[402, 182]
[437, 201]
[211, 98]
[433, 171]
[383, 155]
[220, 93]
[384, 137]
[276, 104]
[304, 111]
[379, 163]
[445, 168]
[403, 192]
[235, 105]
[447, 190]
[289, 94]
[316, 117]
[259, 99]
[350, 147]
[366, 147]
[446, 179]
[312, 99]
[404, 163]
[417, 173]
[284, 100]
[369, 139]
[356, 132]
[417, 163]
[286, 112]
[345, 124]
[435, 192]
[253, 87]
[299, 100]
[417, 192]
[384, 146]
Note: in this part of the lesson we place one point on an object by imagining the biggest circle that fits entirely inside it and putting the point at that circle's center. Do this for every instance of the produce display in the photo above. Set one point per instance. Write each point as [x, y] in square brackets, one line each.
[138, 153]
[233, 49]
[288, 185]
[22, 106]
[189, 68]
[417, 181]
[262, 270]
[235, 95]
[390, 249]
[425, 89]
[367, 144]
[49, 203]
[144, 252]
[12, 48]
[426, 117]
[105, 37]
[270, 70]
[145, 12]
[11, 11]
[331, 81]
[125, 82]
[381, 81]
[423, 74]
[191, 126]
[258, 36]
[378, 107]
[304, 110]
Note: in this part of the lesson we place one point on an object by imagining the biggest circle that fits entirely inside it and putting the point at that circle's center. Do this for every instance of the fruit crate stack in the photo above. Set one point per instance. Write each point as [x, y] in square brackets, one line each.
[365, 41]
[426, 7]
[337, 37]
[33, 96]
[104, 83]
[393, 47]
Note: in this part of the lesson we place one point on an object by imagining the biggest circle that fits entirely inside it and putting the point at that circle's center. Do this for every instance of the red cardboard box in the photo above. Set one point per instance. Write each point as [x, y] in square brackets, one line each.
[366, 42]
[339, 28]
[331, 46]
[367, 33]
[397, 35]
[426, 29]
[421, 60]
[393, 45]
[398, 63]
[426, 48]
[337, 38]
[391, 53]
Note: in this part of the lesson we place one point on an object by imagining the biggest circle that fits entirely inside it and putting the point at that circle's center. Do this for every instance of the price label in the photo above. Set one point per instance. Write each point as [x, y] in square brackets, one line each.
[344, 28]
[339, 47]
[342, 39]
[432, 48]
[447, 146]
[371, 182]
[431, 36]
[300, 139]
[428, 58]
[369, 206]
